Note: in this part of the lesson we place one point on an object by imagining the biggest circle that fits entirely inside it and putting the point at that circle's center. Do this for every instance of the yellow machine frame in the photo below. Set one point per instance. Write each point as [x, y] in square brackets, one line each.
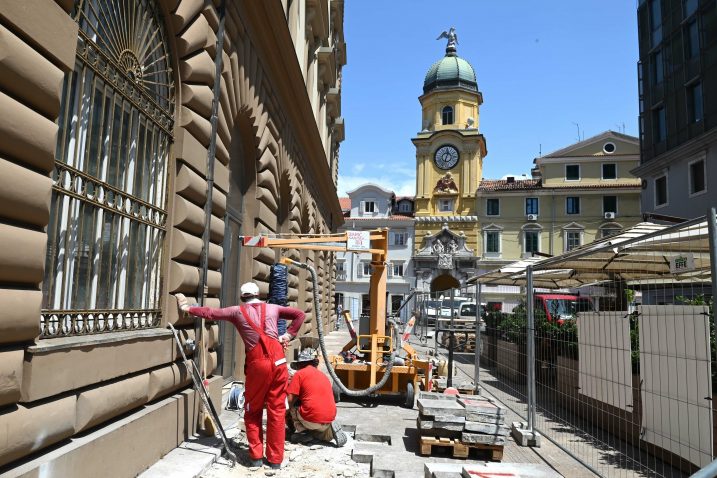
[363, 375]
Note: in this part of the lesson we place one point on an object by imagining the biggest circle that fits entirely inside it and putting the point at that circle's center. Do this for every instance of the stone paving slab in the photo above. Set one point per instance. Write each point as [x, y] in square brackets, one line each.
[487, 428]
[433, 407]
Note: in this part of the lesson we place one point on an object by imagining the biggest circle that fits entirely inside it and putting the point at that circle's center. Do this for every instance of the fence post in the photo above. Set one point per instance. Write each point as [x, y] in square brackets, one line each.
[476, 342]
[524, 433]
[712, 229]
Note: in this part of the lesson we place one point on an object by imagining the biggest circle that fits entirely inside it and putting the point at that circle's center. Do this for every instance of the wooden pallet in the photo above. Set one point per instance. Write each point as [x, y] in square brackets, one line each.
[459, 449]
[462, 391]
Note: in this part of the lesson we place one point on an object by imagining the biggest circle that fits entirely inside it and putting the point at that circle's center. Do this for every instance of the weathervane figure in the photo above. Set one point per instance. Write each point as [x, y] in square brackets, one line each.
[452, 38]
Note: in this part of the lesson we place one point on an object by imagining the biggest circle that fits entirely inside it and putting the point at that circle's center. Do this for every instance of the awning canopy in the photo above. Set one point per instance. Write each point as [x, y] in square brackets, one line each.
[645, 252]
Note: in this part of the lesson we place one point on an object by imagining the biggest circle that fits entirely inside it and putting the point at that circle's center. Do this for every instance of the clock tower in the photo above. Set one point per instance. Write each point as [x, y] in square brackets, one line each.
[449, 162]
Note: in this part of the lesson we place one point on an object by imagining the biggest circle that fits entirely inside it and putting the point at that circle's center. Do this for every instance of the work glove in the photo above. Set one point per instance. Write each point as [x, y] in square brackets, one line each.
[182, 302]
[284, 340]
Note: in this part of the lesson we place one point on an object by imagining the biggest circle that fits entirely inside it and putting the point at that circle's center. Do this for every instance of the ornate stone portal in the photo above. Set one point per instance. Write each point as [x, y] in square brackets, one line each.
[444, 253]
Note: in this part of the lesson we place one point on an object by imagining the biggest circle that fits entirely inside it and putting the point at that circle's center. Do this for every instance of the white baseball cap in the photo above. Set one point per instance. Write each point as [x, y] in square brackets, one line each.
[249, 288]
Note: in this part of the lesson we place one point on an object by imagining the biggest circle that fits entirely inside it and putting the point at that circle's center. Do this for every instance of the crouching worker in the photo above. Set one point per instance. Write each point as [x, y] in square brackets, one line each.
[311, 402]
[265, 366]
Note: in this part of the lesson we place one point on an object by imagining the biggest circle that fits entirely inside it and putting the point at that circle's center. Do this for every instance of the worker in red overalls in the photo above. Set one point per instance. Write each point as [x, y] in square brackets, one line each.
[265, 366]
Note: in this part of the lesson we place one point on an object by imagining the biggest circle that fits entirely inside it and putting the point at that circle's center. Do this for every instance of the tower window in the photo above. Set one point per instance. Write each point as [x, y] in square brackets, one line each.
[447, 114]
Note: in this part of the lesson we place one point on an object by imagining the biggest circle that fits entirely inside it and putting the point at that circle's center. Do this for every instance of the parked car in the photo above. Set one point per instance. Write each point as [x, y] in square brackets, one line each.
[467, 310]
[562, 307]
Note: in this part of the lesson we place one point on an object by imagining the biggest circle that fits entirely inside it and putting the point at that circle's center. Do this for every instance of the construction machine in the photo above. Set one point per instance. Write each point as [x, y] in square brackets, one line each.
[387, 366]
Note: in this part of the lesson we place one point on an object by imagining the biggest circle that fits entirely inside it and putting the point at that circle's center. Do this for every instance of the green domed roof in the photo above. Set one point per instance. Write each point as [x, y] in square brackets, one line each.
[451, 71]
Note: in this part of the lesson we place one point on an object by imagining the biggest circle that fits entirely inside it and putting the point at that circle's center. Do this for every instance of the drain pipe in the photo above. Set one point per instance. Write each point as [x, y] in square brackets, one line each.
[202, 288]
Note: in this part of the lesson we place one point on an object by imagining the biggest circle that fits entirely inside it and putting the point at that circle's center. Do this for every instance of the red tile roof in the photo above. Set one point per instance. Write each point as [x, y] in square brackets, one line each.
[345, 203]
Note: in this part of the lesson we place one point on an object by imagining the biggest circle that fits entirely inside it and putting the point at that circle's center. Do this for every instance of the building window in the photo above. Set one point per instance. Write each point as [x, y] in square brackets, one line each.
[365, 269]
[531, 241]
[608, 231]
[405, 206]
[531, 206]
[609, 204]
[492, 242]
[107, 211]
[572, 205]
[397, 269]
[692, 39]
[396, 301]
[447, 115]
[572, 172]
[369, 207]
[659, 124]
[609, 171]
[445, 205]
[694, 102]
[657, 68]
[572, 239]
[399, 238]
[655, 22]
[493, 207]
[608, 148]
[689, 7]
[661, 191]
[697, 177]
[340, 270]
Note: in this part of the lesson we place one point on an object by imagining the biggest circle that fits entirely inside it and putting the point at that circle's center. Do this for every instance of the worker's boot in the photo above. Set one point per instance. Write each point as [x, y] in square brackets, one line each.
[339, 435]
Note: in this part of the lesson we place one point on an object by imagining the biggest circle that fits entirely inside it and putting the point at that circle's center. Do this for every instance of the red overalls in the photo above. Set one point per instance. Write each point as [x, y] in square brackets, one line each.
[266, 379]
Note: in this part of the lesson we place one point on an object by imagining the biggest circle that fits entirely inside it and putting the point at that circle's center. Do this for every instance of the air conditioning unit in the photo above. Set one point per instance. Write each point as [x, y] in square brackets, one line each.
[532, 217]
[609, 215]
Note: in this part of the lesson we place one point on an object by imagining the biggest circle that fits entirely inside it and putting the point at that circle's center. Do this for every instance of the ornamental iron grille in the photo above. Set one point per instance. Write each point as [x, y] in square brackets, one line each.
[108, 214]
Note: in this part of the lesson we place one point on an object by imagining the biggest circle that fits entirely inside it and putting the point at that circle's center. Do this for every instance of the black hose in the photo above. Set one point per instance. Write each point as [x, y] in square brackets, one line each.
[322, 345]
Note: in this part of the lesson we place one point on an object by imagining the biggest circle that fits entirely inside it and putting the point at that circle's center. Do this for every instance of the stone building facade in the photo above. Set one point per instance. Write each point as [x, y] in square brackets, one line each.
[104, 186]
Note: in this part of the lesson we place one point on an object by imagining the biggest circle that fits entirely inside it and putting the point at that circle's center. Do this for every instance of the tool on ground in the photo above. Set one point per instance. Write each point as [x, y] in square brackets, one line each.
[370, 376]
[204, 395]
[236, 397]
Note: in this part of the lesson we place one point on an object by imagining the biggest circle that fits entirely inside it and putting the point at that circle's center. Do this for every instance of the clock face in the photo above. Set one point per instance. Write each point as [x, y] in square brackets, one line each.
[446, 157]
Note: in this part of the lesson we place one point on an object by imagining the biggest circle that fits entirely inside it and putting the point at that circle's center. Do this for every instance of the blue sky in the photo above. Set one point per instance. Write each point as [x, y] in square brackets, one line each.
[541, 66]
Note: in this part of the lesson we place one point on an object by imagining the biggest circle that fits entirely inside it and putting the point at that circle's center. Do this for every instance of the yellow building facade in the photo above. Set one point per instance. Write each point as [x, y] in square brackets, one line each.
[449, 159]
[577, 194]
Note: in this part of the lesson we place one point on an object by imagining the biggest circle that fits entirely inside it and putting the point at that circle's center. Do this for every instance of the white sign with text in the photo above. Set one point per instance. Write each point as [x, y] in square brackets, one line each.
[358, 240]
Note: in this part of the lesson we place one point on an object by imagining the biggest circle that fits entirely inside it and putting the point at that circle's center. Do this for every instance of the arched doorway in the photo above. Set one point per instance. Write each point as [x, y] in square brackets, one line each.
[444, 282]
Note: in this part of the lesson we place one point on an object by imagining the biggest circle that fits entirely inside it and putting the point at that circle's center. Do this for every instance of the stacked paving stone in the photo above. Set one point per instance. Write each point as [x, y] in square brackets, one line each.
[472, 421]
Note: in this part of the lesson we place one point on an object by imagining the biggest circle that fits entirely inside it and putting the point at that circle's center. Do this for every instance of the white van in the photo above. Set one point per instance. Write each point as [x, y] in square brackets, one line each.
[467, 311]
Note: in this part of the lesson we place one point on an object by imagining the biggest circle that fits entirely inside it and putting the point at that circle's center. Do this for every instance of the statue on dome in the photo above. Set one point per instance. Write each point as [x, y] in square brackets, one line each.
[446, 185]
[452, 38]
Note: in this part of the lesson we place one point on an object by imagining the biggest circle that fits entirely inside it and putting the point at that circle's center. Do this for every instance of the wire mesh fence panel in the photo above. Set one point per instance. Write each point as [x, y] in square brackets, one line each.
[624, 350]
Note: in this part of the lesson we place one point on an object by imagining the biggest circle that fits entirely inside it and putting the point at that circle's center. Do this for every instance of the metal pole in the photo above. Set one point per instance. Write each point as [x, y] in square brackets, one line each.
[476, 341]
[451, 345]
[530, 348]
[712, 229]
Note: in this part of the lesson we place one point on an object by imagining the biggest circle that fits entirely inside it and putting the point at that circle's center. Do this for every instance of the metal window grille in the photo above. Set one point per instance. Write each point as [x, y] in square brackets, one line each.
[108, 212]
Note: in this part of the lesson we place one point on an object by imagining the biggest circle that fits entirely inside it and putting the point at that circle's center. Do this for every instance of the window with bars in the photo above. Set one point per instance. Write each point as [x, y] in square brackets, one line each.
[108, 206]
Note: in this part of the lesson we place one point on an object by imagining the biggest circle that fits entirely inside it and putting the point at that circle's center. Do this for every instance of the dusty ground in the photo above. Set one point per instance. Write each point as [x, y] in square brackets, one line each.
[311, 460]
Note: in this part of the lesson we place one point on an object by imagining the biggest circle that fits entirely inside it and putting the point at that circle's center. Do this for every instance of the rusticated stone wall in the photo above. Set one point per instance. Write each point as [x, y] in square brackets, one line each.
[275, 168]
